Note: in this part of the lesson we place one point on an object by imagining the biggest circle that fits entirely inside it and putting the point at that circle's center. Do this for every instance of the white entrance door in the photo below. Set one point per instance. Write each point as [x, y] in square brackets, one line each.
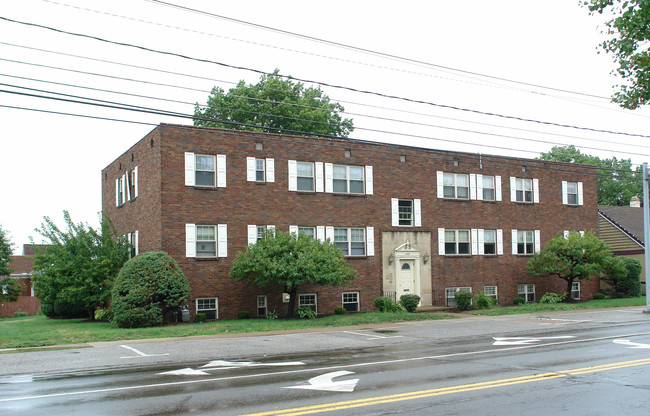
[406, 278]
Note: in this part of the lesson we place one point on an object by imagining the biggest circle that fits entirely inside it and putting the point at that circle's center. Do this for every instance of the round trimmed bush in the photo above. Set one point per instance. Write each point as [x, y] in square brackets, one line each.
[409, 302]
[148, 287]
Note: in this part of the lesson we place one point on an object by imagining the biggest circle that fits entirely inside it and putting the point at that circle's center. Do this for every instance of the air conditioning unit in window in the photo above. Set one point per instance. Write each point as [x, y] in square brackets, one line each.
[285, 298]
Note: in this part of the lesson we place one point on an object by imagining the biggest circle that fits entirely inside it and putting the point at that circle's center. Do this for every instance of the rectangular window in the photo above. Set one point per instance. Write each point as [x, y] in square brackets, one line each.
[524, 190]
[261, 305]
[132, 238]
[308, 231]
[308, 300]
[456, 185]
[348, 179]
[525, 242]
[575, 290]
[527, 292]
[208, 306]
[119, 189]
[405, 209]
[490, 291]
[260, 170]
[489, 242]
[205, 170]
[261, 229]
[305, 176]
[450, 294]
[572, 193]
[351, 301]
[206, 241]
[457, 242]
[351, 241]
[489, 188]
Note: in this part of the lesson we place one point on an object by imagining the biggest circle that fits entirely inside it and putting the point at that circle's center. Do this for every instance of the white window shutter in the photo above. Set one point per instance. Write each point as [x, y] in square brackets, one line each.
[293, 229]
[417, 212]
[124, 187]
[189, 169]
[579, 193]
[329, 234]
[319, 176]
[474, 237]
[513, 190]
[136, 242]
[252, 234]
[271, 228]
[369, 181]
[497, 187]
[221, 171]
[250, 169]
[117, 192]
[481, 241]
[441, 241]
[190, 240]
[370, 241]
[472, 186]
[538, 245]
[127, 179]
[479, 187]
[320, 233]
[514, 241]
[582, 233]
[135, 182]
[439, 182]
[536, 191]
[270, 170]
[394, 210]
[500, 242]
[565, 194]
[329, 177]
[222, 240]
[293, 175]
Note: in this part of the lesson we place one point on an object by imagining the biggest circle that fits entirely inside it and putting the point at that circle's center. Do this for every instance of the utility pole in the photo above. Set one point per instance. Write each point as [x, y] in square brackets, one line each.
[646, 235]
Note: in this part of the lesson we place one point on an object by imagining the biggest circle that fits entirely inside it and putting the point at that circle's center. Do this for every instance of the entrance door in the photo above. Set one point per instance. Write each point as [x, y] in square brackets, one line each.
[406, 279]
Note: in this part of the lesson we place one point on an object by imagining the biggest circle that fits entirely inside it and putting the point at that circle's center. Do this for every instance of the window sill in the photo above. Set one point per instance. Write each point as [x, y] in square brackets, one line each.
[356, 257]
[205, 258]
[456, 255]
[344, 194]
[456, 199]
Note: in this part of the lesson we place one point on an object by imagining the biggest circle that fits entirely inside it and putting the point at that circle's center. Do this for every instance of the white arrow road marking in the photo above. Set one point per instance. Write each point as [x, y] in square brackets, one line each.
[185, 372]
[631, 344]
[234, 364]
[324, 382]
[140, 353]
[372, 336]
[524, 340]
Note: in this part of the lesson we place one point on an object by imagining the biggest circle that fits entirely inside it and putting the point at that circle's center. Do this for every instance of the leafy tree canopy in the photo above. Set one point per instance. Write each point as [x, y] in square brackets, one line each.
[278, 105]
[571, 259]
[290, 261]
[10, 289]
[75, 273]
[617, 181]
[628, 33]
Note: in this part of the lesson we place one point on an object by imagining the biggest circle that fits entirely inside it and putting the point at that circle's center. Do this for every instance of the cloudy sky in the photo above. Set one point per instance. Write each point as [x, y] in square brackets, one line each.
[505, 77]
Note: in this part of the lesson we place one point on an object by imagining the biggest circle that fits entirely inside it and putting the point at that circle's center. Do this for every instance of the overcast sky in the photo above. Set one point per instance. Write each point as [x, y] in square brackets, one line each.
[52, 162]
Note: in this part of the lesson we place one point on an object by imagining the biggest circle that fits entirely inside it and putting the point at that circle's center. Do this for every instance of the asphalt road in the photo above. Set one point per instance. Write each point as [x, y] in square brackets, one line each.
[592, 363]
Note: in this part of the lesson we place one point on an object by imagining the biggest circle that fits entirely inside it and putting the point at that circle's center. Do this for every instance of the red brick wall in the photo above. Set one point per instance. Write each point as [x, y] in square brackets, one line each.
[165, 205]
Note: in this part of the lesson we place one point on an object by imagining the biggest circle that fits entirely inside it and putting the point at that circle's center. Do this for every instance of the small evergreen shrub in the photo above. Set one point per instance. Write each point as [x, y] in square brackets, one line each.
[19, 314]
[463, 300]
[148, 287]
[340, 311]
[482, 301]
[272, 315]
[519, 300]
[409, 302]
[104, 315]
[550, 298]
[385, 304]
[599, 295]
[199, 317]
[305, 312]
[243, 315]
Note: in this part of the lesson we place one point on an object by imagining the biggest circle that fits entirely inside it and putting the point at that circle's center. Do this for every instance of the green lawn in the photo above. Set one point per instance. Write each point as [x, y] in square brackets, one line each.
[542, 307]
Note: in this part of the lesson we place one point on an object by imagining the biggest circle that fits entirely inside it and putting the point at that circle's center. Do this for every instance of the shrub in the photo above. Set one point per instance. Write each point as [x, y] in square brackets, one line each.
[305, 312]
[463, 299]
[599, 295]
[385, 304]
[340, 311]
[550, 297]
[409, 302]
[482, 301]
[519, 300]
[18, 314]
[148, 287]
[272, 315]
[105, 315]
[199, 317]
[243, 315]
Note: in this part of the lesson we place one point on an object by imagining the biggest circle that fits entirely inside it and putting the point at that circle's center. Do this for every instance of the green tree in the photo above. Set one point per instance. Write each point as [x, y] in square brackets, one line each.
[622, 275]
[290, 261]
[628, 33]
[9, 288]
[571, 259]
[75, 272]
[617, 181]
[147, 289]
[278, 105]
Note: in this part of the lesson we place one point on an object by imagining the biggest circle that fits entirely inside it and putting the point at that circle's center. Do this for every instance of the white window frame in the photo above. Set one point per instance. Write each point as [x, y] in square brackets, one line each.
[566, 194]
[262, 303]
[131, 185]
[202, 309]
[297, 230]
[526, 291]
[346, 179]
[442, 176]
[133, 242]
[456, 242]
[268, 169]
[518, 185]
[491, 292]
[191, 240]
[535, 241]
[313, 177]
[498, 242]
[575, 291]
[452, 291]
[348, 301]
[348, 242]
[480, 189]
[198, 242]
[120, 191]
[219, 175]
[313, 306]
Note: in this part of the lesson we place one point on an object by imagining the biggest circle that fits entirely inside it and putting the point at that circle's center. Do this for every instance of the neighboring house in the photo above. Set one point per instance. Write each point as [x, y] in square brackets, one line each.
[408, 219]
[622, 229]
[23, 269]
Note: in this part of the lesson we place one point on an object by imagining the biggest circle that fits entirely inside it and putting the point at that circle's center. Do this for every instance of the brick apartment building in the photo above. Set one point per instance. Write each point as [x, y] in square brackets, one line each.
[408, 219]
